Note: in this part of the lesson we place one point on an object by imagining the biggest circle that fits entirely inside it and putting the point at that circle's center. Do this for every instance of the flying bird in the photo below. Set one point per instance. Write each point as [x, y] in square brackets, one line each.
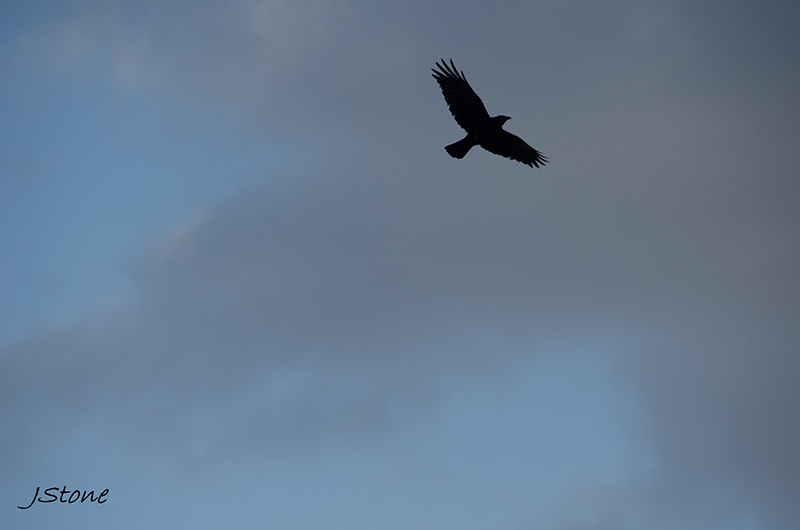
[483, 130]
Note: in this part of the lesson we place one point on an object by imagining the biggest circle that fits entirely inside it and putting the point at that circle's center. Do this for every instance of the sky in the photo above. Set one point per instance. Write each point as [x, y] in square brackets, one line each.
[243, 285]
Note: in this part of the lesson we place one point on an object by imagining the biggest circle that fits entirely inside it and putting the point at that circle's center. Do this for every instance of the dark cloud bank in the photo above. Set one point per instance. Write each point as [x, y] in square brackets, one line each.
[340, 303]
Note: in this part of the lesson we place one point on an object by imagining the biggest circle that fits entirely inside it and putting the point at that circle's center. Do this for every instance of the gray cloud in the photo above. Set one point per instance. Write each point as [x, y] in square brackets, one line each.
[339, 302]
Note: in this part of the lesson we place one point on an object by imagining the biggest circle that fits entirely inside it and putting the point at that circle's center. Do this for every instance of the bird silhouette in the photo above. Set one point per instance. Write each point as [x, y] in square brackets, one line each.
[482, 129]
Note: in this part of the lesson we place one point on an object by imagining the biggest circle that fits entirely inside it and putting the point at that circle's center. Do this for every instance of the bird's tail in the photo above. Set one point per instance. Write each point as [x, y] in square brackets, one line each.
[461, 147]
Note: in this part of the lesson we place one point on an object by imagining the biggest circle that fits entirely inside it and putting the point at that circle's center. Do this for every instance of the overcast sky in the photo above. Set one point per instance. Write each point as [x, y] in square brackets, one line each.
[243, 285]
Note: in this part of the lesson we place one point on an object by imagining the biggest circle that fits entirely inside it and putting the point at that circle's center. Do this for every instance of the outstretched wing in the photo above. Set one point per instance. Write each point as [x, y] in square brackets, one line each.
[512, 146]
[465, 105]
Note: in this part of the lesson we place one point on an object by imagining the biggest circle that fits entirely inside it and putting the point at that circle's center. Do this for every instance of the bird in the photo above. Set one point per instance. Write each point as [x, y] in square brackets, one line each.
[483, 130]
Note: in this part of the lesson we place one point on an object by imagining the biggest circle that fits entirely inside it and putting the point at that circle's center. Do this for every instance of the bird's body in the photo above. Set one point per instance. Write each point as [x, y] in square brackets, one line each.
[482, 129]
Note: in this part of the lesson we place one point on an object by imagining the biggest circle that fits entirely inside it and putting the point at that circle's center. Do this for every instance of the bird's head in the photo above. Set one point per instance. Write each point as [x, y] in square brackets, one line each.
[498, 121]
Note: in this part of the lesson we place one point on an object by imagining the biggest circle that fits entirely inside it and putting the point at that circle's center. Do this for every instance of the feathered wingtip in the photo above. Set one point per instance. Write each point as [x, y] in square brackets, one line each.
[540, 160]
[446, 70]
